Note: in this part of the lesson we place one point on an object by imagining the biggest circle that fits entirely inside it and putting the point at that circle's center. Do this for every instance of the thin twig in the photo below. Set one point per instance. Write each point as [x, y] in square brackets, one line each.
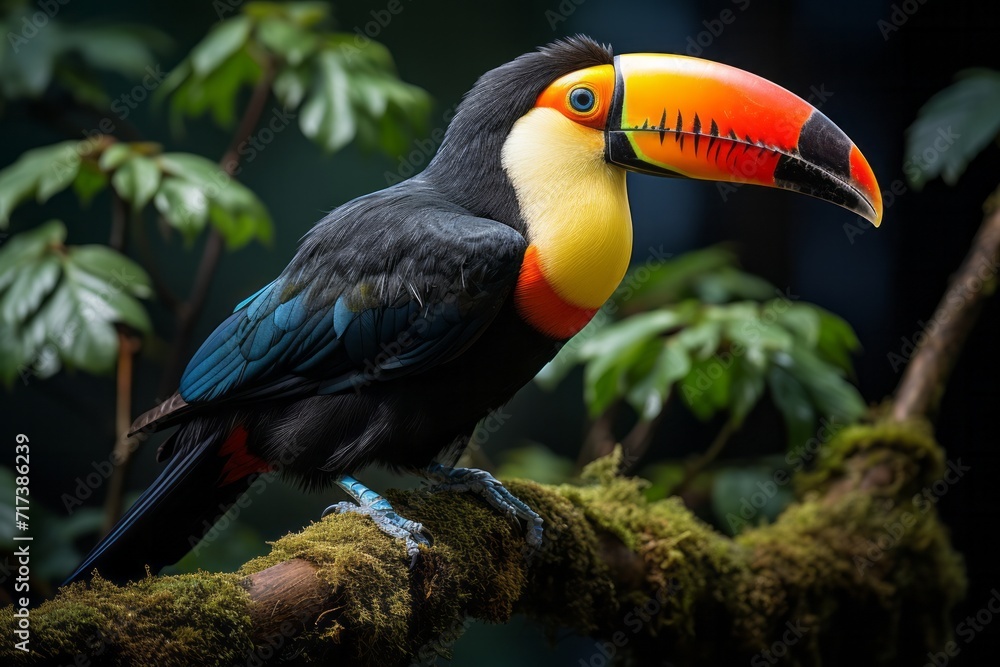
[637, 441]
[709, 455]
[119, 222]
[128, 345]
[191, 311]
[600, 437]
[160, 286]
[926, 375]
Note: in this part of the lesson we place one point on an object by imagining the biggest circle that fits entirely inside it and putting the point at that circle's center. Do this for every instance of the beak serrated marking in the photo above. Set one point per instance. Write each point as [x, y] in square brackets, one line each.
[680, 126]
[663, 125]
[697, 133]
[713, 133]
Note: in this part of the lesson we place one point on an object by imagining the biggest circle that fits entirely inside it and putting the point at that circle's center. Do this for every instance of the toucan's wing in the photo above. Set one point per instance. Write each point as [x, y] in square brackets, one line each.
[387, 287]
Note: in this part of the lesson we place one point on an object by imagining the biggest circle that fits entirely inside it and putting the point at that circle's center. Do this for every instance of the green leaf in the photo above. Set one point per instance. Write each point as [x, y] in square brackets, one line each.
[118, 271]
[671, 281]
[215, 92]
[605, 377]
[114, 156]
[286, 39]
[802, 321]
[836, 341]
[231, 207]
[40, 172]
[832, 395]
[222, 42]
[326, 117]
[290, 86]
[194, 168]
[746, 389]
[535, 462]
[953, 127]
[182, 204]
[701, 339]
[706, 387]
[615, 337]
[60, 305]
[790, 398]
[27, 247]
[569, 355]
[728, 283]
[126, 49]
[137, 180]
[33, 283]
[89, 181]
[748, 497]
[60, 176]
[649, 394]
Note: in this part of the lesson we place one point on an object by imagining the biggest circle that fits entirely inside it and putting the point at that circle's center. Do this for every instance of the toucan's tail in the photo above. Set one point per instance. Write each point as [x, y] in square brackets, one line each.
[208, 469]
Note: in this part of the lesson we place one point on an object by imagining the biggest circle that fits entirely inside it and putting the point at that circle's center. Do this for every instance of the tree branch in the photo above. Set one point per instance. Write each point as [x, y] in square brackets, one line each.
[919, 392]
[647, 577]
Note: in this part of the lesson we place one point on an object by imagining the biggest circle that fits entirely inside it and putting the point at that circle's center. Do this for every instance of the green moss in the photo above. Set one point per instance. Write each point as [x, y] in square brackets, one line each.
[157, 620]
[921, 461]
[859, 562]
[366, 569]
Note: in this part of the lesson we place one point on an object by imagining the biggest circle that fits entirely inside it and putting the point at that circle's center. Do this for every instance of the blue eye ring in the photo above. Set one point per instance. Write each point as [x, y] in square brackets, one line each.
[582, 99]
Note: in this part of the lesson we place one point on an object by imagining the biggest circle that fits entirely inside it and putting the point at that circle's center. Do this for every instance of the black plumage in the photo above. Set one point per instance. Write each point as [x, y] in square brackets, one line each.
[390, 334]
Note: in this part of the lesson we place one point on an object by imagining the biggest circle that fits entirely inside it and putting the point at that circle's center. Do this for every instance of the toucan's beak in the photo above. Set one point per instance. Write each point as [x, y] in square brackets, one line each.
[678, 116]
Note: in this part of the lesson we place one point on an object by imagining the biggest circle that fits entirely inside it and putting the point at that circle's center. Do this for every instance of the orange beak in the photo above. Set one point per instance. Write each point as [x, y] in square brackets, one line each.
[679, 116]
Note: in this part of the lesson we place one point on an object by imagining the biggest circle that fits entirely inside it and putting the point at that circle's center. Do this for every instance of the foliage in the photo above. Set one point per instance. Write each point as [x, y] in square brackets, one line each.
[341, 89]
[187, 190]
[717, 348]
[953, 127]
[59, 305]
[40, 54]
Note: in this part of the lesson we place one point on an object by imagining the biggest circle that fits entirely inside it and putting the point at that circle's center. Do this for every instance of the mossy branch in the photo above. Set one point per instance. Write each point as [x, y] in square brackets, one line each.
[642, 577]
[858, 571]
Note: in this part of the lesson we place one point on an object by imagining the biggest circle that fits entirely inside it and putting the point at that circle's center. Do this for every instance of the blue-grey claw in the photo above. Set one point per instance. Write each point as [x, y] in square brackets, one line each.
[376, 507]
[493, 491]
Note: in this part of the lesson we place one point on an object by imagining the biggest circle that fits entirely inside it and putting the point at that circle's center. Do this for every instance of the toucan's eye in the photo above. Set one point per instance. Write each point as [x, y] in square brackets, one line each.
[582, 99]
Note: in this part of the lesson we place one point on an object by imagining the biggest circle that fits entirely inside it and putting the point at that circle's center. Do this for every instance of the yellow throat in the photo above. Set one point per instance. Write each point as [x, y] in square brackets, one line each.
[575, 205]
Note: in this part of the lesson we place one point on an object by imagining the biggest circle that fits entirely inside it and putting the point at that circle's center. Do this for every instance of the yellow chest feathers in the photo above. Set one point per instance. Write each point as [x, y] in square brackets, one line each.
[575, 205]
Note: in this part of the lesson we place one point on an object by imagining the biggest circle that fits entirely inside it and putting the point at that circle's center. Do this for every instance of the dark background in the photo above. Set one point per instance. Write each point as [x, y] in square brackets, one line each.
[884, 282]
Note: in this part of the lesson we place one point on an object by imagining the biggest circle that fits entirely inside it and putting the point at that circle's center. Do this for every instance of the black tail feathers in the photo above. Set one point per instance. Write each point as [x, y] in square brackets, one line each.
[197, 486]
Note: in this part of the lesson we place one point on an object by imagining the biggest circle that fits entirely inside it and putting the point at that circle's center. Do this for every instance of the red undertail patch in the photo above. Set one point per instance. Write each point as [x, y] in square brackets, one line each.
[241, 462]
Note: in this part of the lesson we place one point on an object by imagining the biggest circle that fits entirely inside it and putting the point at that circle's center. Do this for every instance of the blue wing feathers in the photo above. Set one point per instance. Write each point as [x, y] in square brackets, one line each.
[304, 326]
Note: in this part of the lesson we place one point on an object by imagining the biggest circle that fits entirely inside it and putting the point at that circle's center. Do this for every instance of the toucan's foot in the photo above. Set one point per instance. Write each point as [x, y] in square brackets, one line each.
[490, 489]
[373, 505]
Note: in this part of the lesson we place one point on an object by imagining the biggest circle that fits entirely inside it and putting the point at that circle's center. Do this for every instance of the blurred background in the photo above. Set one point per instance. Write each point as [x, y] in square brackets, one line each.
[868, 65]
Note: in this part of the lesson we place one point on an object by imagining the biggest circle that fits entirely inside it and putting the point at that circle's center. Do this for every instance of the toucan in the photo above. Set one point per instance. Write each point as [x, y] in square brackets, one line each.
[407, 315]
